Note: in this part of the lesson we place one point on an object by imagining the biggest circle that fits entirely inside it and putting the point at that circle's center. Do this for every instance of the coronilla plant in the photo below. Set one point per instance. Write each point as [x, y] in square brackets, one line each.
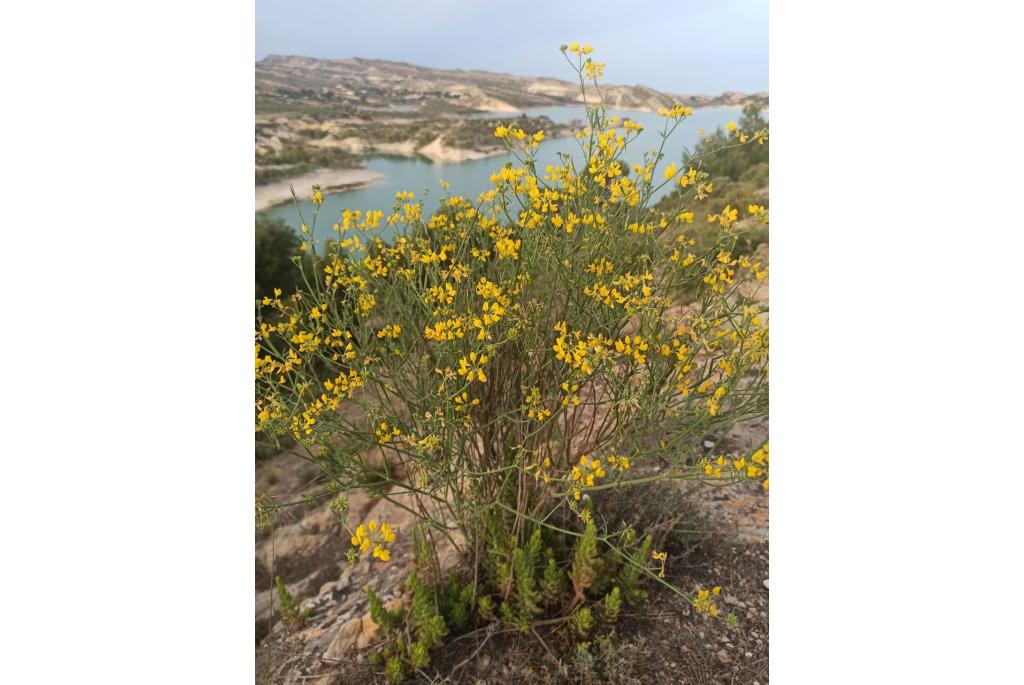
[491, 364]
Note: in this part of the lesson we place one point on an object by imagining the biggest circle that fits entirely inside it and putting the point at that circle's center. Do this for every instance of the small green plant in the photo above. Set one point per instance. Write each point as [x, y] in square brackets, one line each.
[611, 605]
[607, 660]
[289, 613]
[634, 566]
[552, 584]
[526, 604]
[582, 621]
[485, 607]
[411, 634]
[458, 603]
[584, 563]
[386, 620]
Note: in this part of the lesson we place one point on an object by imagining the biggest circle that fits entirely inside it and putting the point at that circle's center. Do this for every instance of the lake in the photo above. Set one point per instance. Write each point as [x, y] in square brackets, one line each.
[471, 178]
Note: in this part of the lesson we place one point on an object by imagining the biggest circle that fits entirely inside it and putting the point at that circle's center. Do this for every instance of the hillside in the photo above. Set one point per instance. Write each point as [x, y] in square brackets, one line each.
[289, 82]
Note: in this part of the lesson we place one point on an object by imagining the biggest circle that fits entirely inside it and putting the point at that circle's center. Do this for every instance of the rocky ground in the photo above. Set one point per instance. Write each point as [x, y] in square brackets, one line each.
[714, 536]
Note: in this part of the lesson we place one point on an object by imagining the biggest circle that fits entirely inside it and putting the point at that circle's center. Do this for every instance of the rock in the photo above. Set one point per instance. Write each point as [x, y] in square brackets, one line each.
[344, 640]
[723, 656]
[765, 581]
[368, 631]
[308, 550]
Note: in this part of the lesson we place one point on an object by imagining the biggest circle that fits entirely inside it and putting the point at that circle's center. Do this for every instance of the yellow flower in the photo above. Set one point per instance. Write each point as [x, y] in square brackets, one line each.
[368, 537]
[731, 126]
[689, 178]
[677, 112]
[703, 603]
[472, 367]
[365, 303]
[621, 463]
[384, 436]
[390, 331]
[670, 171]
[595, 70]
[662, 557]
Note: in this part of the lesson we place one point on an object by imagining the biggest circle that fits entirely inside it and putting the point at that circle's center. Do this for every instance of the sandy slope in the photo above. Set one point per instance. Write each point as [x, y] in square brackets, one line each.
[330, 180]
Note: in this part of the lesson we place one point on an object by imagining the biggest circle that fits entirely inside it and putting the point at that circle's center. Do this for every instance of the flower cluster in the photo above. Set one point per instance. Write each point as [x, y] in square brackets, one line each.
[703, 603]
[390, 331]
[534, 406]
[627, 291]
[662, 557]
[584, 475]
[369, 537]
[676, 112]
[576, 49]
[725, 218]
[514, 133]
[384, 436]
[754, 468]
[472, 367]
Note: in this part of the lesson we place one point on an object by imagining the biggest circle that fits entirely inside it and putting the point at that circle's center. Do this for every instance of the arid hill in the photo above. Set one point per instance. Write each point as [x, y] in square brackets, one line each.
[285, 82]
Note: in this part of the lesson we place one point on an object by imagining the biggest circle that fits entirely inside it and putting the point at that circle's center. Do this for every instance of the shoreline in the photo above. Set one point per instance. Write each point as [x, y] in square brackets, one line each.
[330, 180]
[335, 181]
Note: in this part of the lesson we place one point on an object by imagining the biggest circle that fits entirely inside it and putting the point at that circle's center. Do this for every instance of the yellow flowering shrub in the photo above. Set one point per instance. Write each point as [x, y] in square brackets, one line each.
[499, 358]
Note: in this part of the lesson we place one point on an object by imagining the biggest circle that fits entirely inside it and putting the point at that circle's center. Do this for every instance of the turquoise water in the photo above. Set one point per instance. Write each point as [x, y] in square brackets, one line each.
[471, 178]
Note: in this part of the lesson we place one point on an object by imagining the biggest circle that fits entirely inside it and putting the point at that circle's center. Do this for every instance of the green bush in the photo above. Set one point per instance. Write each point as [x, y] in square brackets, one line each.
[508, 357]
[276, 247]
[740, 174]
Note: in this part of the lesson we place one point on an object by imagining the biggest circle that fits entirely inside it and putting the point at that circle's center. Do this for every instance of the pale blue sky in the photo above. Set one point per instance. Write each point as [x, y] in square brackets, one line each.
[684, 47]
